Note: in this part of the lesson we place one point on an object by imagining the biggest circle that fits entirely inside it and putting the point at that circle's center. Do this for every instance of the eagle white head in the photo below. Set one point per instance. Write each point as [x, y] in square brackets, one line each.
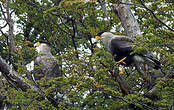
[105, 37]
[121, 46]
[43, 48]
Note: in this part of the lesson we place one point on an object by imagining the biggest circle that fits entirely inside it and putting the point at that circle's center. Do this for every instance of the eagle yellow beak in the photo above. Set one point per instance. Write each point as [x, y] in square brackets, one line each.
[98, 37]
[38, 44]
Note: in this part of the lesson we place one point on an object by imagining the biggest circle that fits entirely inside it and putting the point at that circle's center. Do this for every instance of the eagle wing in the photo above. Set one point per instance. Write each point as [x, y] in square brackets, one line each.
[46, 65]
[121, 45]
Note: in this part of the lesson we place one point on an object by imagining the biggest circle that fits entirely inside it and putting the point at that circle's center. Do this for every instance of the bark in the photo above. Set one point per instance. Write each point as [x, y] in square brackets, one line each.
[125, 89]
[13, 77]
[16, 81]
[10, 22]
[127, 19]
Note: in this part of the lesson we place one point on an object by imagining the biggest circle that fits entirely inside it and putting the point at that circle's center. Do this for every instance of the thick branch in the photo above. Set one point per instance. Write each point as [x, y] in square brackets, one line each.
[12, 77]
[127, 19]
[151, 11]
[18, 82]
[132, 29]
[123, 85]
[11, 28]
[125, 89]
[73, 35]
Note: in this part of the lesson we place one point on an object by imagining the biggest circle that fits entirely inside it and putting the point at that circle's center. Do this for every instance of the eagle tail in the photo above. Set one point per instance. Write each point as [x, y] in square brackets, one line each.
[153, 62]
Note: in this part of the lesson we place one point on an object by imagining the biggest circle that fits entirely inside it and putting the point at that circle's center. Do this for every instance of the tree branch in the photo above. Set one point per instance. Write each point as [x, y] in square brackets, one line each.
[13, 77]
[153, 14]
[127, 19]
[125, 89]
[151, 93]
[18, 82]
[1, 27]
[11, 28]
[73, 35]
[103, 7]
[3, 13]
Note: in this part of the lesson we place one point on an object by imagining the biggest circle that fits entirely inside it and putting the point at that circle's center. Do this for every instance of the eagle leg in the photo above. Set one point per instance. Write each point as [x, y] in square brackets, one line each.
[121, 61]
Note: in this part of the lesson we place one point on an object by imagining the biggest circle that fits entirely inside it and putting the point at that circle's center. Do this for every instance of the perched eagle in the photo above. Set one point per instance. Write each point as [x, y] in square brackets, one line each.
[121, 47]
[45, 63]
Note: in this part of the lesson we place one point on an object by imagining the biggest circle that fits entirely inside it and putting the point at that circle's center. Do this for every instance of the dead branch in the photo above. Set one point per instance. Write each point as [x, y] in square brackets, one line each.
[10, 22]
[127, 19]
[153, 14]
[13, 78]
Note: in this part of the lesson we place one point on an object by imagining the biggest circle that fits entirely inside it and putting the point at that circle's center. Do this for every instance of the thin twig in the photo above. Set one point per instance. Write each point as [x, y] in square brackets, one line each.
[1, 27]
[3, 33]
[3, 13]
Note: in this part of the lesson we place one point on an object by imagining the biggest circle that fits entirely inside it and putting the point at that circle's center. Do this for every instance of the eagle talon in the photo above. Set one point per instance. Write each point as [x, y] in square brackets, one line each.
[121, 46]
[121, 61]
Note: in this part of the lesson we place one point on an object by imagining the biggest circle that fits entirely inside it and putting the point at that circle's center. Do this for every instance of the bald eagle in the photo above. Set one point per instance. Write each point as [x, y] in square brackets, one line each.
[121, 47]
[45, 63]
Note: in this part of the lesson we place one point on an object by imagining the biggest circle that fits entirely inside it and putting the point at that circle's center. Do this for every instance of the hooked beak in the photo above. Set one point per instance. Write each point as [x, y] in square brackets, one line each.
[98, 37]
[37, 44]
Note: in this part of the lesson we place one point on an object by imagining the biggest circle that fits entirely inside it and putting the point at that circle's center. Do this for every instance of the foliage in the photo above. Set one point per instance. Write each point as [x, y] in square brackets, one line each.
[70, 26]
